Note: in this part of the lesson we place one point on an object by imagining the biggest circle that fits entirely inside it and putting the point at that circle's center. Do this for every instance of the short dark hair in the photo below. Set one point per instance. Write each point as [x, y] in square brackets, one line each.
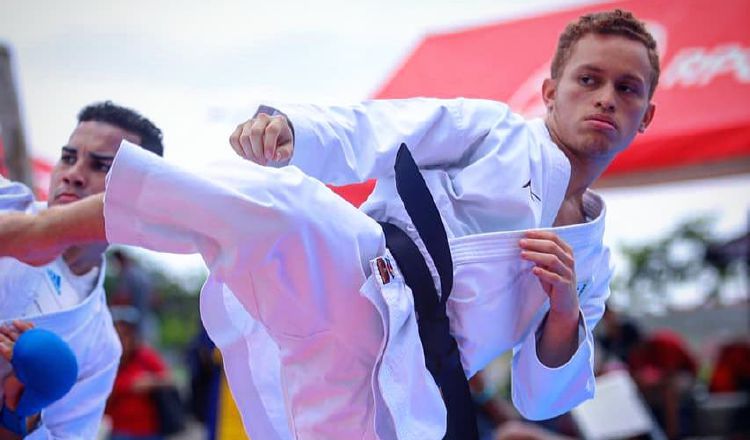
[617, 22]
[125, 119]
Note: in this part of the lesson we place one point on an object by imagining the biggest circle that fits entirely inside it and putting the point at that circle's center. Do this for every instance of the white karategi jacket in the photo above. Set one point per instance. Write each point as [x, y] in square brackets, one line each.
[314, 345]
[86, 327]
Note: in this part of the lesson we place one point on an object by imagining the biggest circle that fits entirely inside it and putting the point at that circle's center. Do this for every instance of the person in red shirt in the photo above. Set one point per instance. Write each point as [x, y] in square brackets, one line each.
[131, 408]
[731, 374]
[665, 371]
[732, 369]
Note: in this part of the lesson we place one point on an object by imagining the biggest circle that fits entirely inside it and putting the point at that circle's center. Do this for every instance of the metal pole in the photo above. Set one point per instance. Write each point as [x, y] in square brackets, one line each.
[16, 159]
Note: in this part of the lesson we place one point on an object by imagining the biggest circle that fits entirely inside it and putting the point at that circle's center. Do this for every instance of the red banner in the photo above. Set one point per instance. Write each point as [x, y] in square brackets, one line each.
[702, 103]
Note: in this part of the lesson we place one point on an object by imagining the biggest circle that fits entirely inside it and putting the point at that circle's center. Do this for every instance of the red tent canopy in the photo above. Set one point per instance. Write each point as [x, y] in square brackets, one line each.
[702, 123]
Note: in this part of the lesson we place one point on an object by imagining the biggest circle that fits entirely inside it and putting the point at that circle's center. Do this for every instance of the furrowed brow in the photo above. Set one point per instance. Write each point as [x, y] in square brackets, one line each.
[105, 157]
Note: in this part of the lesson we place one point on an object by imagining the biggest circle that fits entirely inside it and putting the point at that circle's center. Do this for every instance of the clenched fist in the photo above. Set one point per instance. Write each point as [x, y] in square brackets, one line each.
[264, 138]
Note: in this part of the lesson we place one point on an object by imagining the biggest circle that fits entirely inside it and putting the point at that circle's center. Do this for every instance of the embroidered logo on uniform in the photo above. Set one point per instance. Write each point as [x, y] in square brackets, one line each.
[531, 193]
[385, 269]
[55, 279]
[582, 287]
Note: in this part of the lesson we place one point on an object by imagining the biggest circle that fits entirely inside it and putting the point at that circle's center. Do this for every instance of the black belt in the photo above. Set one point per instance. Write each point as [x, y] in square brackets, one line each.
[442, 357]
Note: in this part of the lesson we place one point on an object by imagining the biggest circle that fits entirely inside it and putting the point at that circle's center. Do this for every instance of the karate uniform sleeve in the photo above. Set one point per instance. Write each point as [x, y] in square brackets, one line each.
[342, 145]
[130, 216]
[540, 392]
[153, 204]
[14, 196]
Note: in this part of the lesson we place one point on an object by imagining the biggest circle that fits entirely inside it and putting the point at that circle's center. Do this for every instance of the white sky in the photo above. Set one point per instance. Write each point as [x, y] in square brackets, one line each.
[198, 67]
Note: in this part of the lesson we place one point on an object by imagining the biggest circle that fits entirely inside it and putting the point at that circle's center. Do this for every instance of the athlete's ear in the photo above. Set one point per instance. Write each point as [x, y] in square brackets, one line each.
[549, 88]
[647, 117]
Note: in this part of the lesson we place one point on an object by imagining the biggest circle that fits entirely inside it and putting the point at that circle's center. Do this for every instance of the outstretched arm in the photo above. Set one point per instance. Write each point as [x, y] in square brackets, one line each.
[349, 144]
[39, 238]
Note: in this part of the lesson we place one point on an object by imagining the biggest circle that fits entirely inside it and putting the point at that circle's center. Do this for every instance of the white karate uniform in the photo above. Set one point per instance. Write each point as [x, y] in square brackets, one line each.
[74, 308]
[314, 345]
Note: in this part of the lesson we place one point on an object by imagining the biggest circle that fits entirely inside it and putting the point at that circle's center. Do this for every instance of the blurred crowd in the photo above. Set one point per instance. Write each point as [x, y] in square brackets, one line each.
[682, 395]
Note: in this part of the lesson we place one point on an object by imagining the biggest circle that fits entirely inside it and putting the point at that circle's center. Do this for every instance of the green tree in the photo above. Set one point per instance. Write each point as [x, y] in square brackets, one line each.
[660, 274]
[176, 302]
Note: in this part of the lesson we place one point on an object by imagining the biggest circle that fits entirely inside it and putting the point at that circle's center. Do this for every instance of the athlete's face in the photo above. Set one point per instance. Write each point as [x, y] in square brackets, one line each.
[601, 99]
[85, 161]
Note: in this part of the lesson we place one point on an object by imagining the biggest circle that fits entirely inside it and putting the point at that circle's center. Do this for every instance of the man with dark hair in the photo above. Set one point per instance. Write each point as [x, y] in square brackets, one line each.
[486, 230]
[127, 120]
[66, 296]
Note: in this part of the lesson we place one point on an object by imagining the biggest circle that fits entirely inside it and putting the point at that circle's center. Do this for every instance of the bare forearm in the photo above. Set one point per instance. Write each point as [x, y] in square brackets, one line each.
[77, 223]
[559, 338]
[38, 239]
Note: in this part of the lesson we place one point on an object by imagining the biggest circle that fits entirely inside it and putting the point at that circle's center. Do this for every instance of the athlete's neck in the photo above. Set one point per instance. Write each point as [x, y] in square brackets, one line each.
[584, 169]
[81, 259]
[571, 212]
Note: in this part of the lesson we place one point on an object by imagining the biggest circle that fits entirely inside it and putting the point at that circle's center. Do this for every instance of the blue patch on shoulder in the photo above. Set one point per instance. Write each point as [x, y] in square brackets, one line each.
[55, 279]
